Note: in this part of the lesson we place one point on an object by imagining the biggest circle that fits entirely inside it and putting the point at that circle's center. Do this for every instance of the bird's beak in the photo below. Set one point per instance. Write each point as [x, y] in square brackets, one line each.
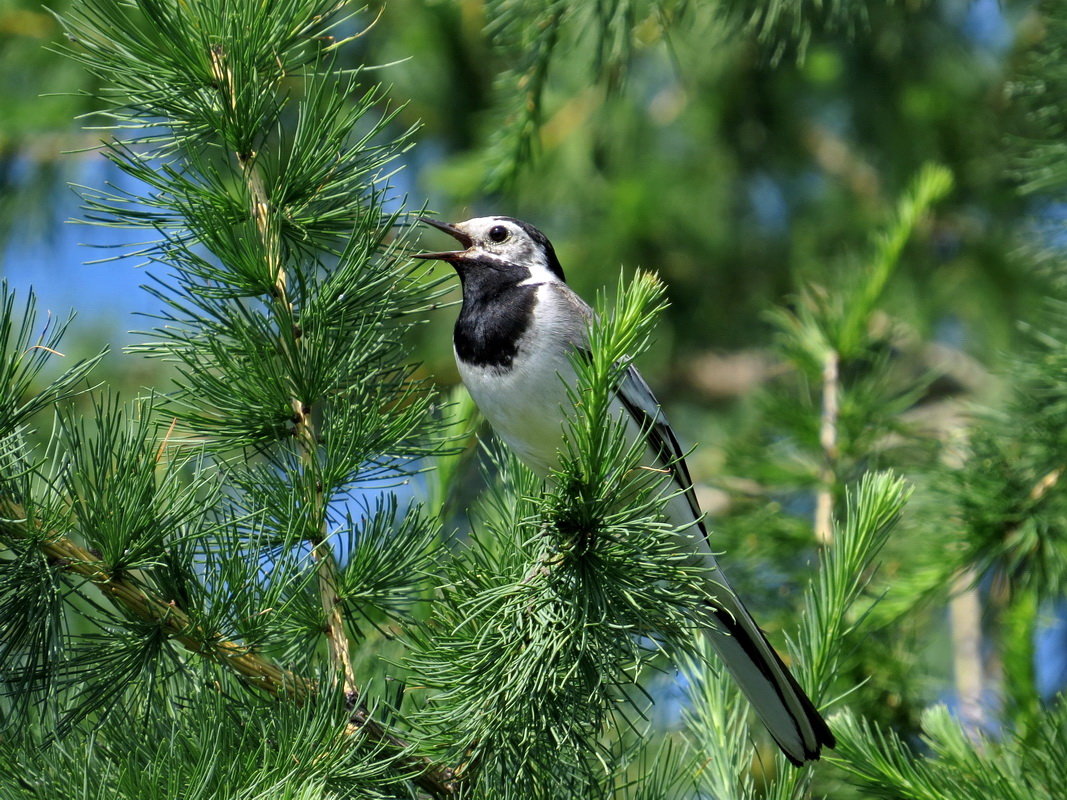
[454, 232]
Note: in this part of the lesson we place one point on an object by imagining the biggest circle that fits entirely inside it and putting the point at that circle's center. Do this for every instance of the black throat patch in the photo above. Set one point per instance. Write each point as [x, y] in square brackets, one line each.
[496, 312]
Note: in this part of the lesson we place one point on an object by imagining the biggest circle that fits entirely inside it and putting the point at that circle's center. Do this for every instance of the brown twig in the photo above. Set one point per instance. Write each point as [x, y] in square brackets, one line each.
[1041, 488]
[824, 499]
[965, 614]
[145, 605]
[965, 623]
[166, 438]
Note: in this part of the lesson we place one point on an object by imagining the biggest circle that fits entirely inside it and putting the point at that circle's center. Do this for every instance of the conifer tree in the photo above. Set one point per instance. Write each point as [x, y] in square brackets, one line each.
[263, 579]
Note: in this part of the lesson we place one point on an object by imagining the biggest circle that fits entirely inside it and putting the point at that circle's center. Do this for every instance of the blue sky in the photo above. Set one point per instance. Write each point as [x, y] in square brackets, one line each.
[53, 262]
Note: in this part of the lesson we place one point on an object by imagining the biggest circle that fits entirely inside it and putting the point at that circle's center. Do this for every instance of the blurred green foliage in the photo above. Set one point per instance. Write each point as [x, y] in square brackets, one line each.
[732, 147]
[705, 154]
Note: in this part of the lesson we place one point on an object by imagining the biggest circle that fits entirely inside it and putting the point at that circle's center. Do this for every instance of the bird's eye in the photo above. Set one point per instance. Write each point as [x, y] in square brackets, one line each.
[498, 233]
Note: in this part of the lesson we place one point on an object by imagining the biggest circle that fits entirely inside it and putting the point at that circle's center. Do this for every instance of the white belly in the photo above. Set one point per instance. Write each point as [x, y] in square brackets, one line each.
[528, 404]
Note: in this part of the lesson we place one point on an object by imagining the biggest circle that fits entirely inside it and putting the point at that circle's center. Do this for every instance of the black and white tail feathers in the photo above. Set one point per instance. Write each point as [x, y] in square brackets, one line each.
[786, 710]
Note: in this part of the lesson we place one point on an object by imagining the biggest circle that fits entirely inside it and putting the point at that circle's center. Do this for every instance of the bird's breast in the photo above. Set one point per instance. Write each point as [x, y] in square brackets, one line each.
[526, 400]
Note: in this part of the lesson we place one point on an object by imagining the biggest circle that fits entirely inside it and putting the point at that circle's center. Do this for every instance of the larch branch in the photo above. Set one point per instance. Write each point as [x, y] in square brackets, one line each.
[824, 500]
[259, 672]
[304, 431]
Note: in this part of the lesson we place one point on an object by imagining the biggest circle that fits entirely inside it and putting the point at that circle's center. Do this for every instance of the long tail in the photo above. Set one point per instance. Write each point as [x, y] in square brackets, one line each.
[785, 709]
[790, 716]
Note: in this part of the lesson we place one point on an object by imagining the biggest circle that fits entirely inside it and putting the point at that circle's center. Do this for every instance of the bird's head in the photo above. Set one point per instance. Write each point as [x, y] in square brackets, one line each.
[502, 244]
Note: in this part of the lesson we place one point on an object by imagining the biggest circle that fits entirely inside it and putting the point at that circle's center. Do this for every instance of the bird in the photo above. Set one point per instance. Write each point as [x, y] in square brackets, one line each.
[517, 328]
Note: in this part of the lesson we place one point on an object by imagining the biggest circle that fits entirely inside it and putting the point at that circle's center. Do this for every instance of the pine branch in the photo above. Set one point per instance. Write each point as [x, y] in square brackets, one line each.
[829, 332]
[1036, 144]
[1007, 768]
[259, 672]
[830, 627]
[517, 137]
[786, 27]
[125, 592]
[304, 431]
[285, 312]
[965, 620]
[563, 594]
[601, 37]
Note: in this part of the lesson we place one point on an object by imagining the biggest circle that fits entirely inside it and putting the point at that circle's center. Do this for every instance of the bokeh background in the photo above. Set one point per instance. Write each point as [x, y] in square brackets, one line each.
[730, 162]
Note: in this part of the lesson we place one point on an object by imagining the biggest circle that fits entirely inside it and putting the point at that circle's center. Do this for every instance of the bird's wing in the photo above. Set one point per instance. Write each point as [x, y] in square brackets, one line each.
[637, 398]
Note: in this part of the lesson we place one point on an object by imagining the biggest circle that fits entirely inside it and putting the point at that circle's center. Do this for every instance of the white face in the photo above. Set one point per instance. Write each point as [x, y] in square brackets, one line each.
[504, 239]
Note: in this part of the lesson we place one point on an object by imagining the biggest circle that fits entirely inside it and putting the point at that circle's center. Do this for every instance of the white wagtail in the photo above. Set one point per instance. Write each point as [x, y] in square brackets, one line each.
[517, 326]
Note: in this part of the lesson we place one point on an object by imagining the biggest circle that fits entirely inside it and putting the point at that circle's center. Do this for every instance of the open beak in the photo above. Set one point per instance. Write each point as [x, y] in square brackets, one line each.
[455, 233]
